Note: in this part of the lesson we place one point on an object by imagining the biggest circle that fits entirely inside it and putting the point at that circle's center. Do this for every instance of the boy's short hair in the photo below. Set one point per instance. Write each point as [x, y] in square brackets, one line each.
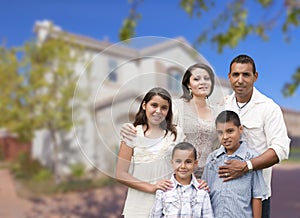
[228, 116]
[185, 146]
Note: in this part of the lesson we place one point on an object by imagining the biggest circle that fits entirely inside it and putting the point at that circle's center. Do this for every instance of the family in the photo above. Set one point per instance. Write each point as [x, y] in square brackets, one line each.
[186, 158]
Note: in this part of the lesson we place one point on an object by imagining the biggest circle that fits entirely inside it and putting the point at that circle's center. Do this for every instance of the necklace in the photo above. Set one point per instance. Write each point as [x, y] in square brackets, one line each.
[241, 107]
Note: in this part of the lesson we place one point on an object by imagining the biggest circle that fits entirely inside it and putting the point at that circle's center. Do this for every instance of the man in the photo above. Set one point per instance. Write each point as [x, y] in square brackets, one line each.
[264, 127]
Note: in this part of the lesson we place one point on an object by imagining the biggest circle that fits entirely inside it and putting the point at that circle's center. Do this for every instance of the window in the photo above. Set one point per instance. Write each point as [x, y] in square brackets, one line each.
[175, 80]
[112, 76]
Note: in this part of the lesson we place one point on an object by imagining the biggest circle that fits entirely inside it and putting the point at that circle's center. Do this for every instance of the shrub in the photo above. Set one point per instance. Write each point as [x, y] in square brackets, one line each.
[25, 167]
[43, 175]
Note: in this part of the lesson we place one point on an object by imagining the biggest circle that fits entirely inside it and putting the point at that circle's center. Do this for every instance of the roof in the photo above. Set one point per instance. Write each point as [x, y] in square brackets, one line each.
[46, 29]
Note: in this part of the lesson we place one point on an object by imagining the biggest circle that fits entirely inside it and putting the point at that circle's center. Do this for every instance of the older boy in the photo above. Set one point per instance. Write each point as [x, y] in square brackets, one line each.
[184, 199]
[240, 197]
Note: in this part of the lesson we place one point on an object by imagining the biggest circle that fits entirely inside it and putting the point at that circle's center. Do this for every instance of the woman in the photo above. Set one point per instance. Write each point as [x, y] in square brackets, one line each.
[194, 115]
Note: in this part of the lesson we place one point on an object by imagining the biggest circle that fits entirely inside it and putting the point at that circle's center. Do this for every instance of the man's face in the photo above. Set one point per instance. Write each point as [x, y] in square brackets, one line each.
[242, 80]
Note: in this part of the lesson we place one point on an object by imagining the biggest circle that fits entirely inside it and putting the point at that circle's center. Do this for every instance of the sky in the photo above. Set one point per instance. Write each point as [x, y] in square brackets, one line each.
[275, 59]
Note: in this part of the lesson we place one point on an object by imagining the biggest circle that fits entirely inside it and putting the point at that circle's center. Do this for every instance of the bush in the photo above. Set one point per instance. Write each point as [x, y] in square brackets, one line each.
[77, 170]
[25, 167]
[43, 175]
[36, 179]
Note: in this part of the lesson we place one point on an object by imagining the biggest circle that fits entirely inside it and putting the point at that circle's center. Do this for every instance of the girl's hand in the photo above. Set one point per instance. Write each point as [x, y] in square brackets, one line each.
[203, 185]
[163, 185]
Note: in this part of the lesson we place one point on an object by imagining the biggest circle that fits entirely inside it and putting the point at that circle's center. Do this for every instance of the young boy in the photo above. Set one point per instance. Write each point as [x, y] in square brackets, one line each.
[239, 197]
[184, 199]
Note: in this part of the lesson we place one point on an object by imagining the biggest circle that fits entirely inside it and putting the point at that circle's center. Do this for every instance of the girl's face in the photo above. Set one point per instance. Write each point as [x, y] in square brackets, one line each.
[200, 82]
[156, 110]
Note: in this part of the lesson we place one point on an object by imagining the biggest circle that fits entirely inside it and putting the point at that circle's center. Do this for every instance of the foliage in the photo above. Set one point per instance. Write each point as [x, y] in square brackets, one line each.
[40, 186]
[13, 95]
[39, 80]
[39, 84]
[82, 185]
[51, 82]
[77, 170]
[129, 24]
[232, 24]
[294, 156]
[36, 179]
[43, 175]
[25, 167]
[290, 88]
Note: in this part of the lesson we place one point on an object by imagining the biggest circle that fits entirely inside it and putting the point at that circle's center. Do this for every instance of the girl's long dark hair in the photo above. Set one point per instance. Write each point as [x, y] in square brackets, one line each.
[141, 118]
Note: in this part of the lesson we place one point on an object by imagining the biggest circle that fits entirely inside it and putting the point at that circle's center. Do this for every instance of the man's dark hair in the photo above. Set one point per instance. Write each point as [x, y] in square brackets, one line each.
[243, 59]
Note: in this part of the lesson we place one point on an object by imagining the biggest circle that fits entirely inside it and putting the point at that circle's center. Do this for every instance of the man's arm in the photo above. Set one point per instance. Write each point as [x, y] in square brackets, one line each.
[235, 168]
[265, 160]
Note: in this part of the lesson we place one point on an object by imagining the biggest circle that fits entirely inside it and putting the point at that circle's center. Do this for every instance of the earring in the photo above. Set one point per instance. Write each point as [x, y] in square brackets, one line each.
[191, 93]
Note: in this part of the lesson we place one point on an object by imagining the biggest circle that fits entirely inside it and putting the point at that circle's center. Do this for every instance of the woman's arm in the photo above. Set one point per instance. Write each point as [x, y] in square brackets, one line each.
[122, 175]
[256, 207]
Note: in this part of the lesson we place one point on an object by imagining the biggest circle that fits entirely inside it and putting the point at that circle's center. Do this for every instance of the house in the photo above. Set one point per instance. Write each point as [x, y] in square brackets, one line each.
[118, 76]
[292, 120]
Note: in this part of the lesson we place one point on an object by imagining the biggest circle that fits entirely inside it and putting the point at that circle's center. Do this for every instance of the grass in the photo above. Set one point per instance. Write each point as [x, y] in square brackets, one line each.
[33, 179]
[294, 156]
[32, 187]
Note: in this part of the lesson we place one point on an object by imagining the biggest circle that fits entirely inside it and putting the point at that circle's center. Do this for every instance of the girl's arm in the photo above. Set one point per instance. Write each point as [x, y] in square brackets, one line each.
[122, 175]
[256, 207]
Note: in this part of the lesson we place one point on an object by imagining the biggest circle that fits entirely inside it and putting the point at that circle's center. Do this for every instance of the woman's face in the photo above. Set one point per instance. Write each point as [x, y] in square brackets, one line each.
[156, 110]
[200, 82]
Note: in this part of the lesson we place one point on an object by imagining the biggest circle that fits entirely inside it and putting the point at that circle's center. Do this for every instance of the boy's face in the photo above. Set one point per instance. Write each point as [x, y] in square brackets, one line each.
[229, 136]
[184, 163]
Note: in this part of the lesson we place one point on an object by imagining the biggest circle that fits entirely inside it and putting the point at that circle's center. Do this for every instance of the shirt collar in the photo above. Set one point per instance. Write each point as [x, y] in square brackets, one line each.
[256, 97]
[241, 152]
[193, 182]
